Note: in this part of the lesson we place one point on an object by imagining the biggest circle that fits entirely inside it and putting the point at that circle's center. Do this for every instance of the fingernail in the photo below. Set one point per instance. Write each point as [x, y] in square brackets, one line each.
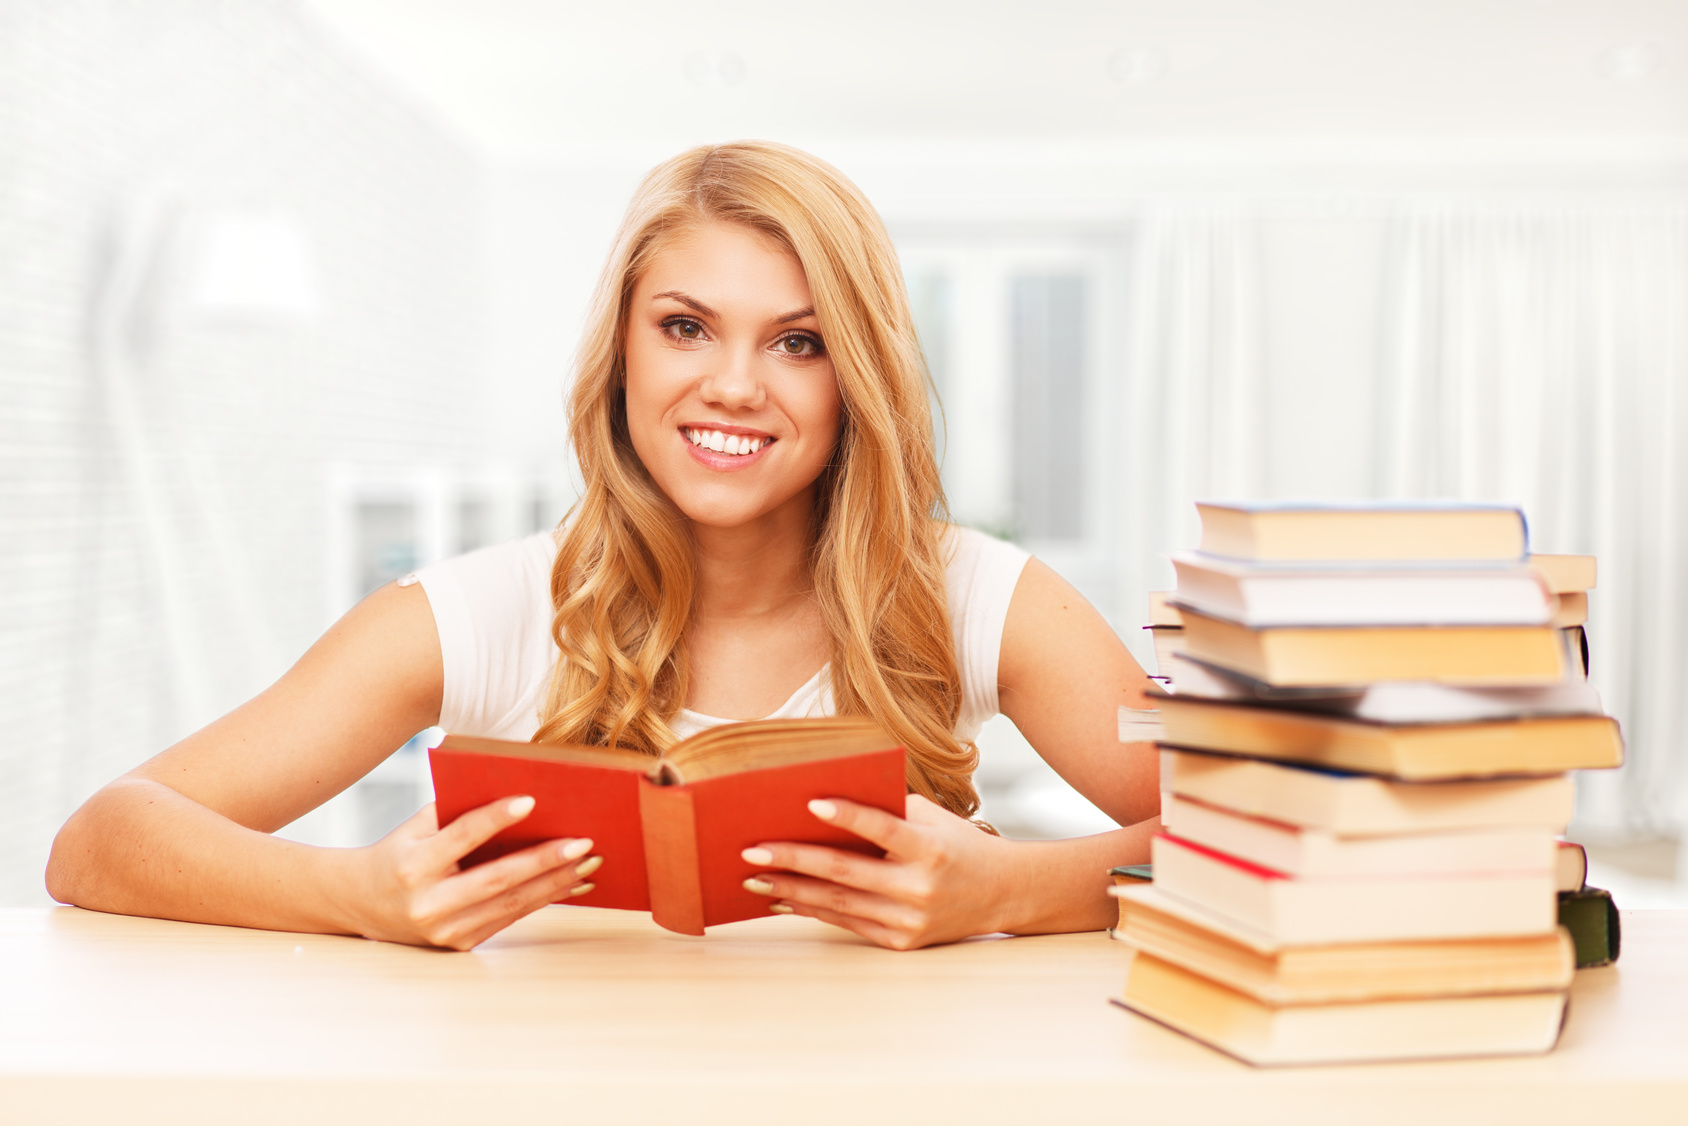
[520, 807]
[823, 809]
[576, 848]
[758, 856]
[588, 866]
[758, 885]
[581, 889]
[782, 908]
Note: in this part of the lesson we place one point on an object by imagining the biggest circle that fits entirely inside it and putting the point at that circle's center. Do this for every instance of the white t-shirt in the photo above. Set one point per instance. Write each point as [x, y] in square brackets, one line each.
[492, 609]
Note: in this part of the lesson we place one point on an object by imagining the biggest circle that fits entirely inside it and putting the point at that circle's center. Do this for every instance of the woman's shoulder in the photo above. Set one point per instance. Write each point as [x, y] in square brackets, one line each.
[971, 556]
[514, 572]
[492, 612]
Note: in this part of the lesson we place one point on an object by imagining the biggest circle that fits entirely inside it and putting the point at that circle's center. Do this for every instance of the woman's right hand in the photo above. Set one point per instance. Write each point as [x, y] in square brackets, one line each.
[407, 887]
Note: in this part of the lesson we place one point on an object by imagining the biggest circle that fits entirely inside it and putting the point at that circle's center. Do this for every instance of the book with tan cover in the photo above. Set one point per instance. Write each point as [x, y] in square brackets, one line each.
[1372, 531]
[1277, 974]
[1355, 1032]
[1412, 752]
[1327, 655]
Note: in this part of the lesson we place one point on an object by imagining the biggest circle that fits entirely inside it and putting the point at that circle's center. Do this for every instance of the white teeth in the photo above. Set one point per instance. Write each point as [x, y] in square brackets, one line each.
[733, 444]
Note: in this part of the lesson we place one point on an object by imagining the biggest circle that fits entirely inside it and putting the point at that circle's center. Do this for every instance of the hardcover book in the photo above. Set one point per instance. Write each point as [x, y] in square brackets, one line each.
[1418, 752]
[1304, 852]
[1392, 701]
[1360, 804]
[1260, 595]
[1594, 925]
[1371, 531]
[1305, 912]
[670, 828]
[1352, 1032]
[1566, 574]
[1276, 974]
[1295, 656]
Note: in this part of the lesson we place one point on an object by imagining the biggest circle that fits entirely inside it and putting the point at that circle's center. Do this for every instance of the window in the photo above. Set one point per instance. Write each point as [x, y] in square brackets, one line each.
[1047, 323]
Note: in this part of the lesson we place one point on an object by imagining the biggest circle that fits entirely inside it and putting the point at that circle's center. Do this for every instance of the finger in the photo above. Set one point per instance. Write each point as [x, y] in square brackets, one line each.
[476, 924]
[476, 827]
[836, 898]
[835, 865]
[889, 832]
[875, 932]
[497, 877]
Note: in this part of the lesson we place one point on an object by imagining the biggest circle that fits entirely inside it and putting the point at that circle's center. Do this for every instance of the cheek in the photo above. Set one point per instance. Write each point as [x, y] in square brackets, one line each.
[823, 408]
[645, 390]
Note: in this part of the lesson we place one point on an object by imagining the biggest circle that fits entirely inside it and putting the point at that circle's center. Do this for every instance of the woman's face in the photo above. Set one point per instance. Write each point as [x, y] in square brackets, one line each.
[731, 399]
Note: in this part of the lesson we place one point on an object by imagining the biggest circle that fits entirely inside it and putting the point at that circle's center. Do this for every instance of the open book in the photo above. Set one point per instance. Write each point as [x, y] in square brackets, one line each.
[670, 828]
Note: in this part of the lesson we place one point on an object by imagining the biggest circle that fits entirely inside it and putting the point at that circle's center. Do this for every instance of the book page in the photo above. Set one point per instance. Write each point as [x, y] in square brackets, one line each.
[736, 748]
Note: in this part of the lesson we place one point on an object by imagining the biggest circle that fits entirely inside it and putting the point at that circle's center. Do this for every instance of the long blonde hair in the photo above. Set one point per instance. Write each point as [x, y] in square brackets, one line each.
[622, 584]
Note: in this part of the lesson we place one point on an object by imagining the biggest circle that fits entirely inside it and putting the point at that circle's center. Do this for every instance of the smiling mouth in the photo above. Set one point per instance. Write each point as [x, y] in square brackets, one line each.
[734, 445]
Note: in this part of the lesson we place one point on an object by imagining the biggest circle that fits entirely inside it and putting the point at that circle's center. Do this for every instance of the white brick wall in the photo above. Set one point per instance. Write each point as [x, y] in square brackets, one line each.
[200, 106]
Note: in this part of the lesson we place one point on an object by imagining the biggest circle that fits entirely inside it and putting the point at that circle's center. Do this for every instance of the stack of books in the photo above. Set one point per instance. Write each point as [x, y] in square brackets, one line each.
[1364, 763]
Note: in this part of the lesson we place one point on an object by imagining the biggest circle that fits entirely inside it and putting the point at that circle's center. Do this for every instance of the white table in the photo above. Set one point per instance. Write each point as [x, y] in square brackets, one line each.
[583, 1015]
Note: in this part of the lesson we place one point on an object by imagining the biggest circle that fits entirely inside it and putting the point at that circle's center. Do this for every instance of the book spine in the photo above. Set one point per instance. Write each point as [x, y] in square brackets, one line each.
[671, 861]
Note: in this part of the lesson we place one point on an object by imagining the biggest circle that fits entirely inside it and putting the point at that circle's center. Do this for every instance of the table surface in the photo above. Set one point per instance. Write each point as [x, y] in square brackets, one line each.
[590, 1015]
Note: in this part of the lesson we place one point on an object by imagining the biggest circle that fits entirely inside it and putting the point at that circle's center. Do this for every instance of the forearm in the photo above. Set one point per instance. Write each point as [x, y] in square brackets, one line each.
[1052, 887]
[139, 847]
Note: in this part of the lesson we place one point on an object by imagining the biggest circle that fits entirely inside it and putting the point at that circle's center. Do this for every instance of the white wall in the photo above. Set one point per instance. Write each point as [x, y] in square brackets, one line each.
[123, 128]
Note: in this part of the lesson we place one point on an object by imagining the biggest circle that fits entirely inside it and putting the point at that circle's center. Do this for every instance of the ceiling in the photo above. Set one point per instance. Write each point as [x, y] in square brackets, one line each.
[550, 79]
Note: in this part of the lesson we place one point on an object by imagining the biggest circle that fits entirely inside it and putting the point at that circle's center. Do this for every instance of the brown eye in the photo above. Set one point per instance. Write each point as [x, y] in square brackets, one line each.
[798, 346]
[688, 329]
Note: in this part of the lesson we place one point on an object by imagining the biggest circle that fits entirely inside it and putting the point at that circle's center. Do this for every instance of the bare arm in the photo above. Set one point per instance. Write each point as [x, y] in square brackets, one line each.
[1063, 675]
[1062, 678]
[186, 834]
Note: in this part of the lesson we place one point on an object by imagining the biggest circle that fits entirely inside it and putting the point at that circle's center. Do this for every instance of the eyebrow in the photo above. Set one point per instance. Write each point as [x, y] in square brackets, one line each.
[691, 303]
[697, 306]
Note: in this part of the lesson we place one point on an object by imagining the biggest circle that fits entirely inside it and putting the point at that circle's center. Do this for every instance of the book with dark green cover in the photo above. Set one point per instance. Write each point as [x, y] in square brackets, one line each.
[1592, 918]
[1125, 872]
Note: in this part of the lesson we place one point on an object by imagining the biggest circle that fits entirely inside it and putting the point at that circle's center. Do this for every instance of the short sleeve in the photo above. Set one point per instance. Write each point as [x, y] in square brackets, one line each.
[492, 610]
[982, 573]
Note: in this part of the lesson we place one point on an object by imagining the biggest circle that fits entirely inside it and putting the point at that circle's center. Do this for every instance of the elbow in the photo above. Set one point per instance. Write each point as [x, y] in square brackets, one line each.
[67, 862]
[73, 865]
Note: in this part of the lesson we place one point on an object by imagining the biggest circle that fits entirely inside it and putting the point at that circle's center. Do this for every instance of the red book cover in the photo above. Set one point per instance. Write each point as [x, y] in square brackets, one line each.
[1258, 871]
[672, 849]
[572, 799]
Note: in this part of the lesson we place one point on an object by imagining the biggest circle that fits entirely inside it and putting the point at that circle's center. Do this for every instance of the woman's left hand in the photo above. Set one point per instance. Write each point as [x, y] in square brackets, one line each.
[941, 879]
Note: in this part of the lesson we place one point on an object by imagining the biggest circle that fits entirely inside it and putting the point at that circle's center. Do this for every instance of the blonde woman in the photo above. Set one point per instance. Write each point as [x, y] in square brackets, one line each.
[761, 534]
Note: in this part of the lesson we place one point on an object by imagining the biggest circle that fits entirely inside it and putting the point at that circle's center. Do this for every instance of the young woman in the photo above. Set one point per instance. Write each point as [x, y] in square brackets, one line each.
[761, 534]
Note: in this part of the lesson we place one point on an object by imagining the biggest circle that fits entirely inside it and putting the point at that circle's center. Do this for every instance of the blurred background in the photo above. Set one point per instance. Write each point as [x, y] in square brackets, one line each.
[289, 290]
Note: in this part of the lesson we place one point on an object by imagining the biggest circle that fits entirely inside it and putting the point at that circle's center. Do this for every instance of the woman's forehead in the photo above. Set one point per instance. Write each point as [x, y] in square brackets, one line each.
[722, 263]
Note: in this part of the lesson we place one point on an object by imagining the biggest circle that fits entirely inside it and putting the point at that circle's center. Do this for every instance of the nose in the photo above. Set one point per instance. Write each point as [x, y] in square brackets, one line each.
[734, 382]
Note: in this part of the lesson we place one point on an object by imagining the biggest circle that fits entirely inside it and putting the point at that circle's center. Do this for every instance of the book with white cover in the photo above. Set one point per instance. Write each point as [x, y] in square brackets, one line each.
[1303, 852]
[1367, 909]
[1362, 804]
[1389, 701]
[1261, 595]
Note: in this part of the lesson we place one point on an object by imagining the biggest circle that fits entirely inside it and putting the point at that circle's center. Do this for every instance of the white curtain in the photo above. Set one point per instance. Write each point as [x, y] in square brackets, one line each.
[1195, 405]
[1542, 357]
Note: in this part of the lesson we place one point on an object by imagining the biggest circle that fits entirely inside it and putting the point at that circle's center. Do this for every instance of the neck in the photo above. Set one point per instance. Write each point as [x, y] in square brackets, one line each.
[756, 568]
